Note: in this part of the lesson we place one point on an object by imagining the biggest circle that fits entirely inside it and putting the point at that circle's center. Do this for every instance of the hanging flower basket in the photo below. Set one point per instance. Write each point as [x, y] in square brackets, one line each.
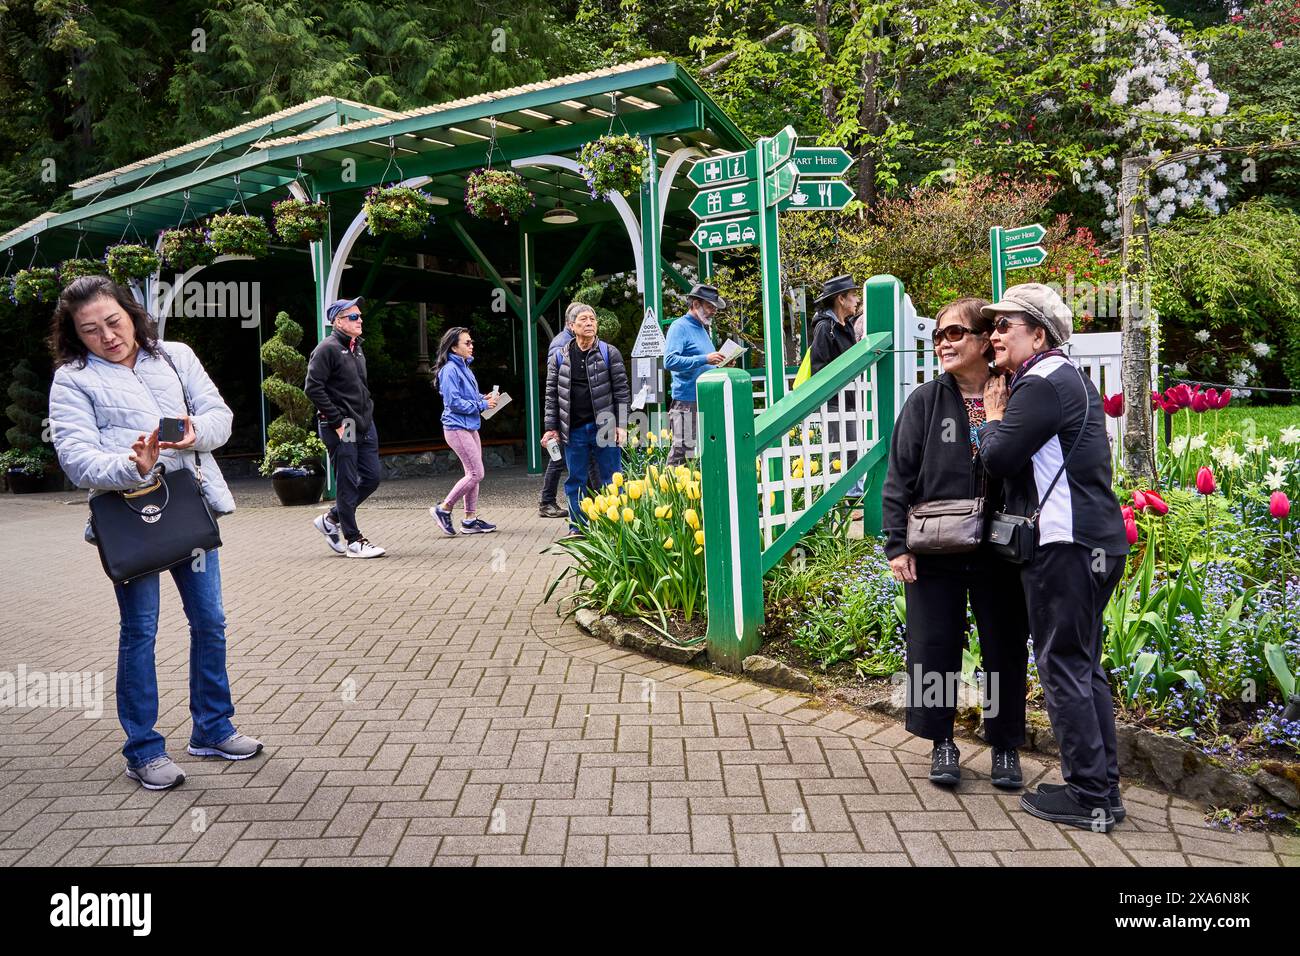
[185, 248]
[401, 211]
[613, 164]
[131, 261]
[297, 220]
[70, 270]
[232, 234]
[496, 194]
[40, 284]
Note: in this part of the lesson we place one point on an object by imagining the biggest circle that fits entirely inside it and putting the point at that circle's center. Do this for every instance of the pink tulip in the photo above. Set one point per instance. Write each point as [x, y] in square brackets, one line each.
[1156, 503]
[1126, 512]
[1205, 481]
[1279, 505]
[1113, 404]
[1131, 531]
[1201, 402]
[1139, 501]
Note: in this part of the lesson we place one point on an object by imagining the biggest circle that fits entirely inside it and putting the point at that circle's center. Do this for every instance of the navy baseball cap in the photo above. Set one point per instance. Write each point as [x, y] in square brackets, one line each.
[338, 305]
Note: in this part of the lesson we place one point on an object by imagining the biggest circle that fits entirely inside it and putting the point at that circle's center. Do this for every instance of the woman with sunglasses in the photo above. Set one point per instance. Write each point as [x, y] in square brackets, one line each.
[935, 455]
[1046, 435]
[462, 416]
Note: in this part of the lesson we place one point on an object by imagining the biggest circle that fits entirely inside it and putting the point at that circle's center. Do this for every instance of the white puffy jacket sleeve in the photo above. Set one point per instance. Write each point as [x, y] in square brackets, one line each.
[75, 434]
[212, 417]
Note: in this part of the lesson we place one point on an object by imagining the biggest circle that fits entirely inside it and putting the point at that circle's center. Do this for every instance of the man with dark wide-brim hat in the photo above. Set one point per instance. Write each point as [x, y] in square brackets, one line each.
[832, 334]
[688, 352]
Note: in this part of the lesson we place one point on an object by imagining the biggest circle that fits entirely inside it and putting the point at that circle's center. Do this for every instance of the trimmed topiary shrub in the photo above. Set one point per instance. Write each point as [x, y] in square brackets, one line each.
[288, 367]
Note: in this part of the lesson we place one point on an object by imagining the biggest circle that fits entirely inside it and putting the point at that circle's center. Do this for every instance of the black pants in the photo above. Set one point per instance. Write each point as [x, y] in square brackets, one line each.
[555, 468]
[936, 635]
[357, 473]
[1067, 587]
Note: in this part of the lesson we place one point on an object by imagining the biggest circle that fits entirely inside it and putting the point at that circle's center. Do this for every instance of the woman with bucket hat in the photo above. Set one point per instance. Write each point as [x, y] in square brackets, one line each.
[833, 333]
[1045, 434]
[688, 352]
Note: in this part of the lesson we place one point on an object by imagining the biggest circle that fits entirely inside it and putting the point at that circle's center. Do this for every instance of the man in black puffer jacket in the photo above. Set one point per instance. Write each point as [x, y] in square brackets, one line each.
[587, 396]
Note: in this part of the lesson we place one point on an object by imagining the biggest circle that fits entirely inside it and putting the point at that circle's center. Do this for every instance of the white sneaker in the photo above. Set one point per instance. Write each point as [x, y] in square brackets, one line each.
[331, 532]
[361, 548]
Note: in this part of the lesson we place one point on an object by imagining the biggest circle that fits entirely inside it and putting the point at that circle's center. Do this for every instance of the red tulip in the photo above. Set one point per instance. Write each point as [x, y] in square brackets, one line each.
[1212, 398]
[1224, 399]
[1279, 505]
[1127, 512]
[1155, 400]
[1200, 402]
[1180, 395]
[1156, 503]
[1139, 501]
[1114, 404]
[1131, 531]
[1205, 481]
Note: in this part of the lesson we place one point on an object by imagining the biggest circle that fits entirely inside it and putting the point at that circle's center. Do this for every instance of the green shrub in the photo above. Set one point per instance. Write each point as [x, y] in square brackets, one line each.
[27, 408]
[288, 367]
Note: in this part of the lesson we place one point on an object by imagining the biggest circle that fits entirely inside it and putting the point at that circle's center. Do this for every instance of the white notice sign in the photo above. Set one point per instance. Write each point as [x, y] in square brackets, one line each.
[650, 340]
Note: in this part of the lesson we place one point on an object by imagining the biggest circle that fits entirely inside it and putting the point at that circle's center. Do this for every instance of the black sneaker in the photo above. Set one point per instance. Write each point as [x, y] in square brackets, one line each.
[1060, 806]
[945, 766]
[1116, 804]
[1006, 768]
[552, 510]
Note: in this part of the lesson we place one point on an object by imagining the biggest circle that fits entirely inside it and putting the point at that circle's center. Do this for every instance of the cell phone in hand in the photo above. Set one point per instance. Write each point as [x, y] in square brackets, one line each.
[171, 429]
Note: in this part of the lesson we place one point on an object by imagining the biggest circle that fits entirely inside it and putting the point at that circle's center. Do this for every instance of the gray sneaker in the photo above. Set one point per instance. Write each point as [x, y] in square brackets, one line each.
[158, 774]
[236, 747]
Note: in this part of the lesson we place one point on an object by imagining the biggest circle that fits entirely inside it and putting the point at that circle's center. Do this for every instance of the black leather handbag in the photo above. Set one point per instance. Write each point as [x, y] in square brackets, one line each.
[1013, 538]
[155, 528]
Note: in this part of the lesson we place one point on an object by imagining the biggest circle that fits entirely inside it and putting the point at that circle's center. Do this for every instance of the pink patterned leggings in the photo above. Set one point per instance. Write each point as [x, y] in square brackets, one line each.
[469, 449]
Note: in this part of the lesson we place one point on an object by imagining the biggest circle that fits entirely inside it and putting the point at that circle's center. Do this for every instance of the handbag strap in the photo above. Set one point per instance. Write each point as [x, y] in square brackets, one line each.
[189, 406]
[1066, 460]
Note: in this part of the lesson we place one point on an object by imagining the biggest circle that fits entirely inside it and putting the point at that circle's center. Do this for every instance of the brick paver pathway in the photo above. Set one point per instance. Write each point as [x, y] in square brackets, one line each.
[426, 708]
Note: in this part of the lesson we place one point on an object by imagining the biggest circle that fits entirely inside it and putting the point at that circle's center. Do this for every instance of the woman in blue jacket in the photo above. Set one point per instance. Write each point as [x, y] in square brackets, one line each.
[463, 406]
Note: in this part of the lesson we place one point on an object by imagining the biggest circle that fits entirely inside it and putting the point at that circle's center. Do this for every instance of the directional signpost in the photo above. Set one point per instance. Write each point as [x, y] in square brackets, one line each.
[726, 234]
[1014, 249]
[822, 161]
[817, 195]
[723, 169]
[734, 200]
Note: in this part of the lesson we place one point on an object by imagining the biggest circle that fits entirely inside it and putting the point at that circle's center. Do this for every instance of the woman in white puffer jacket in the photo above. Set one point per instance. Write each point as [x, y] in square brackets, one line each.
[111, 386]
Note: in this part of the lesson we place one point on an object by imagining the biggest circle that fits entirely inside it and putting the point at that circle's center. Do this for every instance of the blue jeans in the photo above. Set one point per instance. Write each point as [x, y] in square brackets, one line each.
[579, 451]
[137, 679]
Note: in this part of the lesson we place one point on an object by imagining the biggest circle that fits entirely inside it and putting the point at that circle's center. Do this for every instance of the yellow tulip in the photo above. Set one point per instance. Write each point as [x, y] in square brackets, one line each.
[628, 515]
[698, 551]
[663, 483]
[698, 476]
[612, 513]
[668, 544]
[668, 511]
[635, 490]
[816, 466]
[835, 464]
[652, 472]
[699, 538]
[691, 518]
[665, 434]
[622, 499]
[650, 437]
[771, 499]
[618, 479]
[633, 441]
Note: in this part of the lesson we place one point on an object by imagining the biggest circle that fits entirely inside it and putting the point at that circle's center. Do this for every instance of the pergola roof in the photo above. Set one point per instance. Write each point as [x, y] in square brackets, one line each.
[337, 148]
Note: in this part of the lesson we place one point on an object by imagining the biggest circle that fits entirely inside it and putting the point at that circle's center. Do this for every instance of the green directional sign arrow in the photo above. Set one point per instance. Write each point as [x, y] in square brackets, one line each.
[1023, 236]
[1023, 258]
[822, 160]
[726, 234]
[817, 194]
[727, 168]
[734, 200]
[779, 183]
[777, 149]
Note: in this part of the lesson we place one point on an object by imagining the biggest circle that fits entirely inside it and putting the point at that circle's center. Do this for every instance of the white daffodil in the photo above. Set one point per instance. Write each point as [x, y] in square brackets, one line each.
[1178, 446]
[1257, 447]
[1278, 464]
[1274, 480]
[1199, 441]
[1290, 436]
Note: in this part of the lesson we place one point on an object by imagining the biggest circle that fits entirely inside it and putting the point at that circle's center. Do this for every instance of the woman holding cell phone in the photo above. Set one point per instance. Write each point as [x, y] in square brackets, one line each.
[118, 419]
[462, 416]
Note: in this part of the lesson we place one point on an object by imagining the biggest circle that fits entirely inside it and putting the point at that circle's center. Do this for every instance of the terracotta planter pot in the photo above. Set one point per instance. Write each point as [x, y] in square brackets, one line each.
[298, 484]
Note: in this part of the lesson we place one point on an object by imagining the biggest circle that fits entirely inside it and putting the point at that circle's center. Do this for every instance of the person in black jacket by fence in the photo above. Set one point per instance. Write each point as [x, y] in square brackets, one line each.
[934, 456]
[831, 334]
[1047, 425]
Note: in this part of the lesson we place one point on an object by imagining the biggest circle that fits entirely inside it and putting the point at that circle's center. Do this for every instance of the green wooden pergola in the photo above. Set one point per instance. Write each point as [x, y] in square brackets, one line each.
[334, 150]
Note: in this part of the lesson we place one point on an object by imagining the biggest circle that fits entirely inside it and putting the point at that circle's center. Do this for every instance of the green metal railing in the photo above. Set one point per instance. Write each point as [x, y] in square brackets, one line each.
[757, 505]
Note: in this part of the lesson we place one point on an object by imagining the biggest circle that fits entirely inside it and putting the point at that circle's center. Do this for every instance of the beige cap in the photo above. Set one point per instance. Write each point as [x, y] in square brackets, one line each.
[1041, 303]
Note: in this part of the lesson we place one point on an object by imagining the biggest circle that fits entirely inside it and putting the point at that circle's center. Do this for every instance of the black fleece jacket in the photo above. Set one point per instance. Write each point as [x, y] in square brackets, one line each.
[930, 460]
[336, 383]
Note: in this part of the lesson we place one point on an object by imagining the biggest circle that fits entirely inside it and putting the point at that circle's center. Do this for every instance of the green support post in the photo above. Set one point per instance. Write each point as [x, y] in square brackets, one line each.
[769, 250]
[884, 301]
[732, 552]
[322, 257]
[652, 295]
[995, 259]
[528, 319]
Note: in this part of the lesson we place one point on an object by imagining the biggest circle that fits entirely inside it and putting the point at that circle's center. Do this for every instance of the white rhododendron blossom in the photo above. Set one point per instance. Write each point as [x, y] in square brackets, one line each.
[1165, 89]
